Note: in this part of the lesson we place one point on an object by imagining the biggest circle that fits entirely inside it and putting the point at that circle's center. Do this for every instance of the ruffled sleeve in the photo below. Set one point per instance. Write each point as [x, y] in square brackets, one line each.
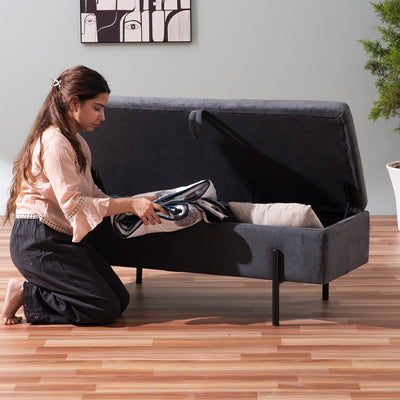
[82, 203]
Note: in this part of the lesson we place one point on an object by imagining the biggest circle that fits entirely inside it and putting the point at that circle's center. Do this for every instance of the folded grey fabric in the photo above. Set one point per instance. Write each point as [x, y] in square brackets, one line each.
[186, 206]
[278, 214]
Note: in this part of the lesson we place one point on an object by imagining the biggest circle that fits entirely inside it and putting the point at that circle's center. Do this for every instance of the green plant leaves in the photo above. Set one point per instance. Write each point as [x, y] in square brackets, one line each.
[384, 61]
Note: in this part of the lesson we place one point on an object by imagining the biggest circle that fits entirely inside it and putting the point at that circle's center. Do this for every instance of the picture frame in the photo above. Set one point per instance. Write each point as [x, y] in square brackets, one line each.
[135, 21]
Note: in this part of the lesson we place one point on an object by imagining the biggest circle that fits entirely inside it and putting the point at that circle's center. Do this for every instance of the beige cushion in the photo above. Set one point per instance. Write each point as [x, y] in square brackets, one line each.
[281, 214]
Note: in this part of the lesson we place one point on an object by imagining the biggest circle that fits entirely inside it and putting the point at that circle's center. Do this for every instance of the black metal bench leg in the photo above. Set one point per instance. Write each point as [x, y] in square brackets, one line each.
[325, 291]
[139, 275]
[276, 280]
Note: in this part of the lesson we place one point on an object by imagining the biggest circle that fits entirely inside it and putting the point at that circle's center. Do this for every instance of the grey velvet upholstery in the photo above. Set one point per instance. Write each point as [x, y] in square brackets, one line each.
[265, 152]
[238, 249]
[303, 151]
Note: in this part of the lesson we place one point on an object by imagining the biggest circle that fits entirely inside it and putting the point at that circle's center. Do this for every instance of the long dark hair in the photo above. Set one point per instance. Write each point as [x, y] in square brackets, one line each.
[77, 82]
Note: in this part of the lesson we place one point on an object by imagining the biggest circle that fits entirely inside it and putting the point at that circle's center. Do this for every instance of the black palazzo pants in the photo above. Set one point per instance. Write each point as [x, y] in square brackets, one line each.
[66, 282]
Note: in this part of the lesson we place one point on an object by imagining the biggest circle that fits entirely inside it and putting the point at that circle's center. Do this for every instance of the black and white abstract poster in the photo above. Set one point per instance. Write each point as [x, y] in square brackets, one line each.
[135, 21]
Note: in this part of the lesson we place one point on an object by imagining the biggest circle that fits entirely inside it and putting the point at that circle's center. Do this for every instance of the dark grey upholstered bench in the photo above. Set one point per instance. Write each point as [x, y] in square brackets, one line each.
[254, 151]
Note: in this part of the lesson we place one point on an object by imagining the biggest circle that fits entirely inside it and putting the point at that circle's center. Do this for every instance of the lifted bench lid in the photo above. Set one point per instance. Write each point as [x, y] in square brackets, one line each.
[259, 151]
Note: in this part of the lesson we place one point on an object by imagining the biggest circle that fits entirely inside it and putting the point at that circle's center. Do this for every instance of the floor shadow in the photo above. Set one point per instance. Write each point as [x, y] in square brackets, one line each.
[199, 300]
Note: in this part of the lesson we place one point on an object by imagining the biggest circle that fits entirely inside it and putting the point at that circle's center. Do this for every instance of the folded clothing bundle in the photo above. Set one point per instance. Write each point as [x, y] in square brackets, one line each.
[186, 205]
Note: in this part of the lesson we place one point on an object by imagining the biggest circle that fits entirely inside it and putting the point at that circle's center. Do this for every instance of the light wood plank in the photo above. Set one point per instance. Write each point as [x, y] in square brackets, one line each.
[191, 336]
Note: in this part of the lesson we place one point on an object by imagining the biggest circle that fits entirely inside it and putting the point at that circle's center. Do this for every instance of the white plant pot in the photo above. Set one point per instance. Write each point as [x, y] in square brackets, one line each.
[394, 174]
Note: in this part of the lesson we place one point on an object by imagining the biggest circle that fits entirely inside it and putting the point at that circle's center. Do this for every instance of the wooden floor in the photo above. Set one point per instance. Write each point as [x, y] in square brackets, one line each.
[187, 336]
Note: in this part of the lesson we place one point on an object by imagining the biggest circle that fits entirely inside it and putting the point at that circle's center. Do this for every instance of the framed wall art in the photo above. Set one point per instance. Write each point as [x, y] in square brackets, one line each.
[135, 21]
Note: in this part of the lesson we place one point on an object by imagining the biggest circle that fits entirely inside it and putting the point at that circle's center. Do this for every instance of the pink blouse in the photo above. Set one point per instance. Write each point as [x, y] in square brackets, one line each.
[62, 196]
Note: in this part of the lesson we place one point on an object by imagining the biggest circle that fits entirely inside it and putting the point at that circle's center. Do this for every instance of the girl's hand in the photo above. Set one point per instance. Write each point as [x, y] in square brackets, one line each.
[145, 209]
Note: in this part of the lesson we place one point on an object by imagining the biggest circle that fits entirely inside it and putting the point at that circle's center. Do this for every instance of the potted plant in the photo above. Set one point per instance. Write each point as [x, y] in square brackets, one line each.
[384, 63]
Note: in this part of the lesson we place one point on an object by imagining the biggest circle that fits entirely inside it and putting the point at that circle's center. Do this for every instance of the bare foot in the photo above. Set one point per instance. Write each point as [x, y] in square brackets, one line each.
[12, 302]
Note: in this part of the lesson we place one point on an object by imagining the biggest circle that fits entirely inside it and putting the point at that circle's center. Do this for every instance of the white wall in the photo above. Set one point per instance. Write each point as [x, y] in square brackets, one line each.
[267, 49]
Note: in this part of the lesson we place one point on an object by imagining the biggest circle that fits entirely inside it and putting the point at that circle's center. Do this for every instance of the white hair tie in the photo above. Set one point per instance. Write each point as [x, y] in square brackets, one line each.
[55, 83]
